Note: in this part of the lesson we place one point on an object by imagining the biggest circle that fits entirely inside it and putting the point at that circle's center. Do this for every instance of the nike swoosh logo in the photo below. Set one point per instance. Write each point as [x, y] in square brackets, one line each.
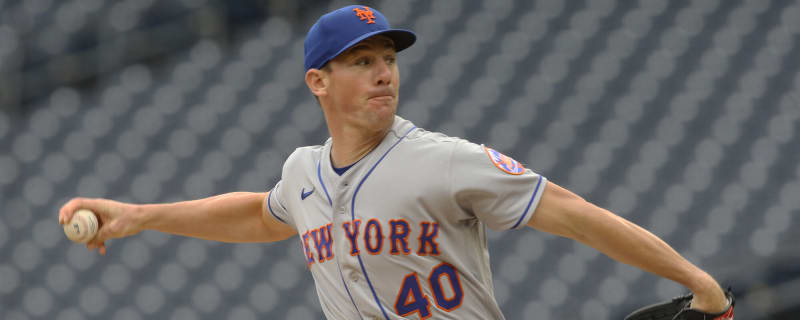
[304, 194]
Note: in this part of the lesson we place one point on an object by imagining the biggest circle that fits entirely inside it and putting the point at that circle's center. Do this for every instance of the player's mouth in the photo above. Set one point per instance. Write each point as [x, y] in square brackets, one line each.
[385, 92]
[382, 98]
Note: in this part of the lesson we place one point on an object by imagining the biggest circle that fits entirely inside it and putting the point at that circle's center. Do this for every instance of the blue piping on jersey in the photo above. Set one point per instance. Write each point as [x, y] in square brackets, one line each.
[269, 205]
[319, 175]
[525, 213]
[353, 217]
[348, 290]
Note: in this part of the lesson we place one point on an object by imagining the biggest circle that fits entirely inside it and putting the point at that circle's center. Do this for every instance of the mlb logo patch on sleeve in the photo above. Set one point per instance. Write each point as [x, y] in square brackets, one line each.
[504, 162]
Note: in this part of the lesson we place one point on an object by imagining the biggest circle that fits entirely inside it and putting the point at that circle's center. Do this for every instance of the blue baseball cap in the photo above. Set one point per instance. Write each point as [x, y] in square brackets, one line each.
[340, 29]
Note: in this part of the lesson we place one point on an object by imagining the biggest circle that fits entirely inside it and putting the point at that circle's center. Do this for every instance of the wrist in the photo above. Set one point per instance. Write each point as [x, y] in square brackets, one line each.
[143, 216]
[704, 284]
[708, 295]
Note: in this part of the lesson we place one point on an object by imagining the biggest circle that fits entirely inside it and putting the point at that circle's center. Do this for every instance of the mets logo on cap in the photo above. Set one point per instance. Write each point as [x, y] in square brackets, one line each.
[365, 14]
[504, 162]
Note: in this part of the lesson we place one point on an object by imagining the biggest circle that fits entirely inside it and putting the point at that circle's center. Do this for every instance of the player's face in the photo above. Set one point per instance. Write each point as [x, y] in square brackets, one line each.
[364, 83]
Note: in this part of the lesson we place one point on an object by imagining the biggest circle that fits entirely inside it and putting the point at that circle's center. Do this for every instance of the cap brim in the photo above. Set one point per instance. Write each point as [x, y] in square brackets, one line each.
[402, 40]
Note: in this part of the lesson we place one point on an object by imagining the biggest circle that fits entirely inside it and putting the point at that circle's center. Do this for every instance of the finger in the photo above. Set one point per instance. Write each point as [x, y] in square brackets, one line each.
[65, 214]
[92, 245]
[95, 242]
[105, 232]
[68, 209]
[102, 249]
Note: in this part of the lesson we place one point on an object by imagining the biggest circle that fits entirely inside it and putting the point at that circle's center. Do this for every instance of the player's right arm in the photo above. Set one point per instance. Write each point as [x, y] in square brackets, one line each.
[566, 214]
[230, 217]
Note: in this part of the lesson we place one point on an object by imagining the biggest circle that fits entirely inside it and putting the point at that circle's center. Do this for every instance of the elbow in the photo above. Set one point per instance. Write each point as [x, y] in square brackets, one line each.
[569, 215]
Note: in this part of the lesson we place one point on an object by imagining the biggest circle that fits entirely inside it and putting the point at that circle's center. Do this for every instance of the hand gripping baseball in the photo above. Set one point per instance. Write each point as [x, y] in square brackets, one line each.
[115, 219]
[680, 309]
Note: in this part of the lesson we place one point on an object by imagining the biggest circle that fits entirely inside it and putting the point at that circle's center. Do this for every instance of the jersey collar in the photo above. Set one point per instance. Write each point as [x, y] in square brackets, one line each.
[399, 128]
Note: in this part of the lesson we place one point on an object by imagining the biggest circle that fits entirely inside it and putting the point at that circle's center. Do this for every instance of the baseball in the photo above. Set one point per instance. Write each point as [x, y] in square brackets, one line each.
[82, 227]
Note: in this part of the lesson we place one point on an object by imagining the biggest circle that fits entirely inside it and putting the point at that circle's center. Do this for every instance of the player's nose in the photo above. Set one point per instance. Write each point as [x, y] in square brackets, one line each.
[383, 73]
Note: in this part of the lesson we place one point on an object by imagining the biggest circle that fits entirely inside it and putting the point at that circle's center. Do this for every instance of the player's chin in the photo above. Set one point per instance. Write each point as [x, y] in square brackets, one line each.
[379, 120]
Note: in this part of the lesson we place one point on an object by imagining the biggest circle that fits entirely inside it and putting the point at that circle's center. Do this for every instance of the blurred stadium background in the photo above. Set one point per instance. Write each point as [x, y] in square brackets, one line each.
[679, 115]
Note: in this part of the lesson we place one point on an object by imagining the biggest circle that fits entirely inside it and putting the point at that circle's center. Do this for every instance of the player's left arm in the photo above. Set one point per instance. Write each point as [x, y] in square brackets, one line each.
[566, 214]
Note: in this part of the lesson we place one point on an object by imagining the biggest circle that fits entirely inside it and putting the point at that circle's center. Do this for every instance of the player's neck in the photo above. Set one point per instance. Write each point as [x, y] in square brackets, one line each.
[350, 145]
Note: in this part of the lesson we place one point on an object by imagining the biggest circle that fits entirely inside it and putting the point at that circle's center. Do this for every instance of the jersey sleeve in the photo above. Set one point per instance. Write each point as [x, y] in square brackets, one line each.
[496, 189]
[276, 205]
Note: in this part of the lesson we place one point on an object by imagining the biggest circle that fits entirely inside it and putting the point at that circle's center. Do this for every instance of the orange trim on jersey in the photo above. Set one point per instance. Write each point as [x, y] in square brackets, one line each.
[307, 249]
[394, 236]
[353, 237]
[323, 242]
[379, 236]
[410, 298]
[428, 238]
[451, 282]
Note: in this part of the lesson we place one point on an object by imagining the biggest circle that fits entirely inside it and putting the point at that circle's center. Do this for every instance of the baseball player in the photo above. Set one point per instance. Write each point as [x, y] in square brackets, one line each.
[393, 218]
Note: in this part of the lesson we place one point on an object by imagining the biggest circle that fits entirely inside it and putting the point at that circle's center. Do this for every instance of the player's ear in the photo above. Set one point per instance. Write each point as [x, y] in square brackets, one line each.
[317, 82]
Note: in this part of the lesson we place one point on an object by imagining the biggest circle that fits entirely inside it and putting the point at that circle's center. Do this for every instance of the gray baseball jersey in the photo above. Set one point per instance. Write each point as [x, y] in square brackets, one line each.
[402, 233]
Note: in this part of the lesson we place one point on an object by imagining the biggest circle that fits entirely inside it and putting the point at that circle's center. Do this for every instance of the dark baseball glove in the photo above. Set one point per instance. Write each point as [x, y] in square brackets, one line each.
[679, 309]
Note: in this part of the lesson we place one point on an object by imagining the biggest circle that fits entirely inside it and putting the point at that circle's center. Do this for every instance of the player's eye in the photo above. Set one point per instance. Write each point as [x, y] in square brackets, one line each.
[363, 61]
[391, 59]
